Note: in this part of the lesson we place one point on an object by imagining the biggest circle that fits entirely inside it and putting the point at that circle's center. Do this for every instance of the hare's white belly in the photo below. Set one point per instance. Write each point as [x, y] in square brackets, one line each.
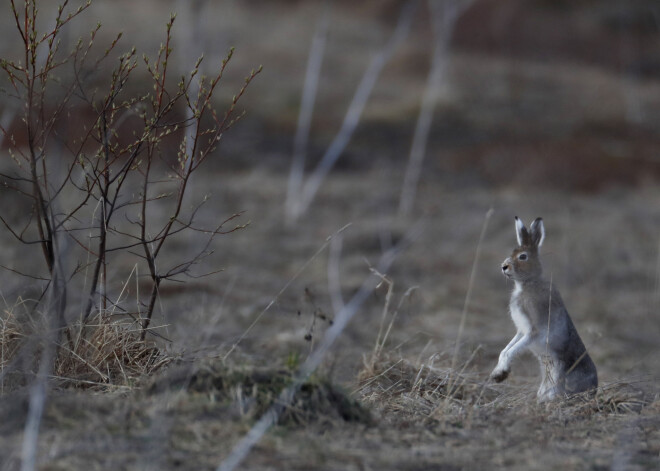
[520, 319]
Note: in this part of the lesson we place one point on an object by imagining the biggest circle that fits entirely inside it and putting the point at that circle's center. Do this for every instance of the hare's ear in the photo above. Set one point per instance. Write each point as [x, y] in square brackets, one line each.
[521, 233]
[537, 232]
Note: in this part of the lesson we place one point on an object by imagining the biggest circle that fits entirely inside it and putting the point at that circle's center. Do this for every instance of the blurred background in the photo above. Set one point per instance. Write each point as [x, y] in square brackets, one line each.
[388, 113]
[555, 94]
[561, 94]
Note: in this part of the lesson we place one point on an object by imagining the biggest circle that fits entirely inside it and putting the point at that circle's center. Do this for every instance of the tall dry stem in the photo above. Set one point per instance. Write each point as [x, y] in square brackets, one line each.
[444, 15]
[308, 189]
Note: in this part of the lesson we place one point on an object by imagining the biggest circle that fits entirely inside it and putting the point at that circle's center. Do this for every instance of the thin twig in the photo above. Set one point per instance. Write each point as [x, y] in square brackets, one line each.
[284, 288]
[468, 295]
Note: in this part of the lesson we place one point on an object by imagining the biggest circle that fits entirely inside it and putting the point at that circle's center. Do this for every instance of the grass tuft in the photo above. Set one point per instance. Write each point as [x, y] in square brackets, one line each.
[401, 386]
[12, 336]
[612, 398]
[109, 353]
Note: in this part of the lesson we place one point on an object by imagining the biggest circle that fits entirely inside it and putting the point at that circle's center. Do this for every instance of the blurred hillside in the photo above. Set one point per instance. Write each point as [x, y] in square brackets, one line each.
[565, 94]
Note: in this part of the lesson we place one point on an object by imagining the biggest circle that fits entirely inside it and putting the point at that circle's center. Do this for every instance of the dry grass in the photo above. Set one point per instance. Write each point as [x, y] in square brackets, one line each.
[11, 339]
[106, 354]
[404, 389]
[613, 398]
[109, 353]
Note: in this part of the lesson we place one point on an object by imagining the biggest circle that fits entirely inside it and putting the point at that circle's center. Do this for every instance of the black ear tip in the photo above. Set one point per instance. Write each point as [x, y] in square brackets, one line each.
[516, 218]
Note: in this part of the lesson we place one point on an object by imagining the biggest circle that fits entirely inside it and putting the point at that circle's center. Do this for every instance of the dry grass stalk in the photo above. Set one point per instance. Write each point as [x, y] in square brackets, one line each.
[383, 332]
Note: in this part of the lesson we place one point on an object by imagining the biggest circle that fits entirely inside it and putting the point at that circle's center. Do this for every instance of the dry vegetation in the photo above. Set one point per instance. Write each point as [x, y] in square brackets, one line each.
[406, 386]
[107, 352]
[422, 412]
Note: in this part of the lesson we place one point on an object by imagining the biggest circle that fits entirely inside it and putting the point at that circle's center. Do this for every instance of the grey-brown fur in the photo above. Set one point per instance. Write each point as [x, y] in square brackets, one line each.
[543, 324]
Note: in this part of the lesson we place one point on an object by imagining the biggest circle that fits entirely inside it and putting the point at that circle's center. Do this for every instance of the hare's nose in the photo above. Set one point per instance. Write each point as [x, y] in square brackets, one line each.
[505, 267]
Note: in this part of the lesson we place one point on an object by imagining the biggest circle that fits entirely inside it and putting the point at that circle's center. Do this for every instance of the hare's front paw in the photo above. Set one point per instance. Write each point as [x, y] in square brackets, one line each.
[499, 375]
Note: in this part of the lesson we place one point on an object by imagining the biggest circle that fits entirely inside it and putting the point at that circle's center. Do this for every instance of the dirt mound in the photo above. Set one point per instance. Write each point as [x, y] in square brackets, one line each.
[248, 392]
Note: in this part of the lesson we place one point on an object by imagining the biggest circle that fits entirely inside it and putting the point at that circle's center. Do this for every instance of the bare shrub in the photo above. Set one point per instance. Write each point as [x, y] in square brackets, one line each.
[112, 191]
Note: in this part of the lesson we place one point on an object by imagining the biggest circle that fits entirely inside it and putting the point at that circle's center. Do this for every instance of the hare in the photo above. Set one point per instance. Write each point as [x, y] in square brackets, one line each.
[543, 324]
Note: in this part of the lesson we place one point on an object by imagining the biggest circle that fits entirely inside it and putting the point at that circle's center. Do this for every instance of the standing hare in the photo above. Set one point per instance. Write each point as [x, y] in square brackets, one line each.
[543, 324]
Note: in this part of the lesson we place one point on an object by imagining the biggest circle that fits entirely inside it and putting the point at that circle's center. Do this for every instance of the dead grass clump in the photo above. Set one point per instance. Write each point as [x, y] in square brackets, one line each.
[614, 398]
[108, 353]
[249, 392]
[105, 353]
[399, 385]
[12, 336]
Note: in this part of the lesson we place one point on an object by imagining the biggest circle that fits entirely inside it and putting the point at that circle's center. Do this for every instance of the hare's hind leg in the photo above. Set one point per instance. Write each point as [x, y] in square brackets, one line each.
[553, 377]
[582, 376]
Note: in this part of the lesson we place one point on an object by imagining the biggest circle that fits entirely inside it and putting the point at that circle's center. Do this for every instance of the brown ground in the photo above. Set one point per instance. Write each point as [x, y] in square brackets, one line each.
[530, 124]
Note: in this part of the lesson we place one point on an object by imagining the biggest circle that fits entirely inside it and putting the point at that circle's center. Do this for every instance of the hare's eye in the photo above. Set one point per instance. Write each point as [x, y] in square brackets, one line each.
[522, 256]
